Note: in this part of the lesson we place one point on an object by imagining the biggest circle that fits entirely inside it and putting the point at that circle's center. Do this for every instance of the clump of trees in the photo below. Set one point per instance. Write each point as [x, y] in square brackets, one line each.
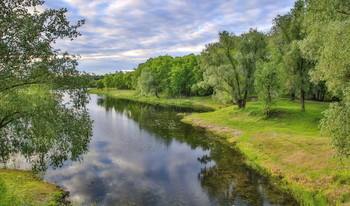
[305, 55]
[327, 44]
[164, 74]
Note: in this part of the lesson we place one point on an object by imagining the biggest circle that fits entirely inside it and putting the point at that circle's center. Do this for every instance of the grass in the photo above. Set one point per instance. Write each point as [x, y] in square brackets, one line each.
[287, 146]
[202, 103]
[19, 187]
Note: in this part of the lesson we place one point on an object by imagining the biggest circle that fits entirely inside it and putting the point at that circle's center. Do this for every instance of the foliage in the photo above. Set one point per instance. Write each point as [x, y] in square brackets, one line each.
[182, 75]
[267, 84]
[108, 81]
[288, 33]
[99, 84]
[336, 124]
[146, 83]
[328, 44]
[35, 78]
[230, 64]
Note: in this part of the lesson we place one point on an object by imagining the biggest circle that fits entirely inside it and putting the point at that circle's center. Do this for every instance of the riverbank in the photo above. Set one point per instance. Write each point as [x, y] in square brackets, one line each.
[287, 147]
[201, 103]
[18, 187]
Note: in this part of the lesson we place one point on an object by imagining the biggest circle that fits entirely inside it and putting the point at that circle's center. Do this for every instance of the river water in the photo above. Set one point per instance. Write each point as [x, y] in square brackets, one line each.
[144, 155]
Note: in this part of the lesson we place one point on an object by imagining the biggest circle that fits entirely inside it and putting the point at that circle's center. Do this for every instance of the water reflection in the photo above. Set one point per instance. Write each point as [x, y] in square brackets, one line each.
[143, 155]
[47, 135]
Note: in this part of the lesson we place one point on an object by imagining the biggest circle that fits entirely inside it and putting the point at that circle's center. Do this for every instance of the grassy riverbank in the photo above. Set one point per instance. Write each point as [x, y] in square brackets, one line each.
[24, 188]
[203, 103]
[287, 147]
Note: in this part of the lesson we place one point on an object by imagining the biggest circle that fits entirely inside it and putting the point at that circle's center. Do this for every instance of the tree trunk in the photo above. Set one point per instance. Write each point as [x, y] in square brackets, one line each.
[292, 97]
[241, 104]
[302, 99]
[157, 95]
[322, 97]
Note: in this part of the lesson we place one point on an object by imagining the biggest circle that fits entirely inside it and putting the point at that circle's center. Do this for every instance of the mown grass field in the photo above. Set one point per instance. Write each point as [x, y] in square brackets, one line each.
[25, 188]
[288, 146]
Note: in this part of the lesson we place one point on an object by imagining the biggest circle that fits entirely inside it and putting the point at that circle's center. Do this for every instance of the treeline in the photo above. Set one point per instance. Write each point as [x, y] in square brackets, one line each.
[305, 55]
[163, 74]
[236, 67]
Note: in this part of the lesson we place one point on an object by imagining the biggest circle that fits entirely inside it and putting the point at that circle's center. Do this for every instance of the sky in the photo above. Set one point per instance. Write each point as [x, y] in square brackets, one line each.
[120, 34]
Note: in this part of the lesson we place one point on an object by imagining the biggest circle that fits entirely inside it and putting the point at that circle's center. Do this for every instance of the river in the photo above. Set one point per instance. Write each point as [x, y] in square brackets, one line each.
[144, 155]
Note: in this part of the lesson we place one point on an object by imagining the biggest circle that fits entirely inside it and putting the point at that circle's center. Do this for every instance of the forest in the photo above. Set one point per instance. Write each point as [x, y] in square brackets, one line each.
[305, 56]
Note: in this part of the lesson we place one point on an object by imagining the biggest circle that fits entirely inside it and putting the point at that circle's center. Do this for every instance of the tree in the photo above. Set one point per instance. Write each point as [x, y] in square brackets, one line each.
[108, 81]
[230, 64]
[146, 83]
[156, 78]
[182, 75]
[328, 45]
[118, 80]
[34, 80]
[99, 84]
[252, 50]
[267, 80]
[128, 80]
[160, 69]
[288, 34]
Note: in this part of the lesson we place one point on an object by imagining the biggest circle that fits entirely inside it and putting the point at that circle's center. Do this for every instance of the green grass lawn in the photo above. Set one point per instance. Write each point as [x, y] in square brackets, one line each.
[19, 187]
[288, 146]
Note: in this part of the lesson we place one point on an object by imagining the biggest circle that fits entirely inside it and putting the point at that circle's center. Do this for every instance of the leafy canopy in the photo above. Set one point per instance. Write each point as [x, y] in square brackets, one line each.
[43, 98]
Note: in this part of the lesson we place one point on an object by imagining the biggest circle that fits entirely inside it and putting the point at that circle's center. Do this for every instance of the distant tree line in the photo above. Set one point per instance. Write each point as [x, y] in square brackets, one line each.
[305, 55]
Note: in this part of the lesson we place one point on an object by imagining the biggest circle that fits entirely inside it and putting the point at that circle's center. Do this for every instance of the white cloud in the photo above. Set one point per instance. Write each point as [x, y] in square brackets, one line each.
[125, 33]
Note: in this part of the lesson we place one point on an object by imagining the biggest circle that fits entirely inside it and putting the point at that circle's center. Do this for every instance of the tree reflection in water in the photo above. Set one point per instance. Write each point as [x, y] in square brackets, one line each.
[223, 176]
[47, 137]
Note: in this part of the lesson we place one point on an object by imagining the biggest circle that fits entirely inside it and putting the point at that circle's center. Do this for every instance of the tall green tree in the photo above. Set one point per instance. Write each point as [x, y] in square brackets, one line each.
[268, 79]
[108, 81]
[182, 75]
[35, 78]
[128, 80]
[230, 64]
[160, 69]
[327, 44]
[118, 80]
[146, 83]
[288, 34]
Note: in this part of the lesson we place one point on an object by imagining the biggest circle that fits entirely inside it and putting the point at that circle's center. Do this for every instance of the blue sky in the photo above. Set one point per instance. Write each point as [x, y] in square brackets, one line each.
[120, 34]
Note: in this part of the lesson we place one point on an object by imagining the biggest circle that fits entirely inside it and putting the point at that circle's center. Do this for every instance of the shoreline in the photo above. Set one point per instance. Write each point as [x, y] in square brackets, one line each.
[23, 187]
[295, 159]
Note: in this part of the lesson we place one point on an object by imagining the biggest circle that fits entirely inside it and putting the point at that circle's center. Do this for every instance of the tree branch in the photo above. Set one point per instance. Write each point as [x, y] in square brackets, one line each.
[6, 120]
[21, 84]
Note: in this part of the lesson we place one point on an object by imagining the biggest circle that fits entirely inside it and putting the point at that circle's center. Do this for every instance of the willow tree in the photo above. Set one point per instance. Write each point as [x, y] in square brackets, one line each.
[328, 44]
[34, 78]
[229, 64]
